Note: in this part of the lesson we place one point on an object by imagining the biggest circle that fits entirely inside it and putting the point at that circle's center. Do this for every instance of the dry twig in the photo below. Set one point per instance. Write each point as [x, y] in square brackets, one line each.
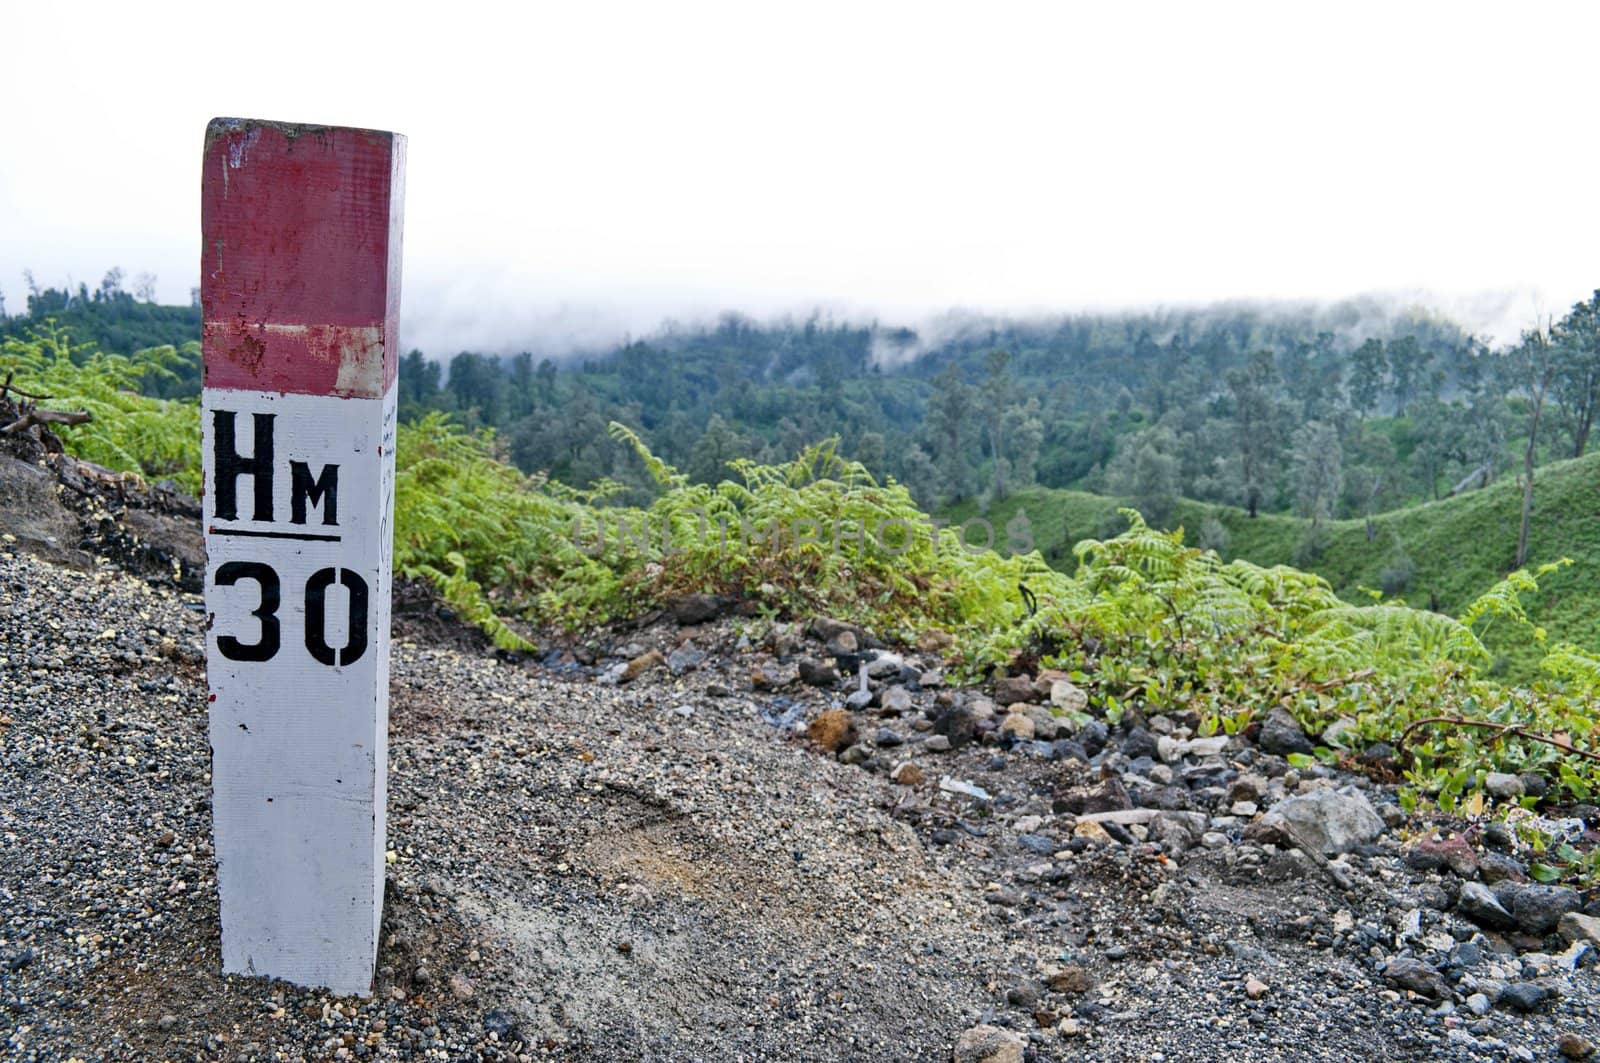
[1501, 728]
[33, 417]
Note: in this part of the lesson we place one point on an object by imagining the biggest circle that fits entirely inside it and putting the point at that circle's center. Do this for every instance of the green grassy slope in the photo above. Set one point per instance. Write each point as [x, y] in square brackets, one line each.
[1459, 546]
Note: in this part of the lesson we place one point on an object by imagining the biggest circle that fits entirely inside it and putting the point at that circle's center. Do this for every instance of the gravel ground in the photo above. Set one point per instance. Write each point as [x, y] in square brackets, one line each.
[667, 868]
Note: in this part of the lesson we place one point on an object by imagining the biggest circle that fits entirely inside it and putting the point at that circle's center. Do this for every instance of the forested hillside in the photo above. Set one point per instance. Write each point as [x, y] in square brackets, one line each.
[116, 321]
[1325, 413]
[1331, 414]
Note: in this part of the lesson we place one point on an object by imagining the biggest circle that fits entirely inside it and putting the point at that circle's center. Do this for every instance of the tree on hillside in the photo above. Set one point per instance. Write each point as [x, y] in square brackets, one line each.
[708, 462]
[1257, 428]
[545, 383]
[110, 284]
[996, 399]
[1534, 361]
[1318, 471]
[418, 384]
[1440, 445]
[519, 387]
[1027, 440]
[949, 409]
[1145, 471]
[873, 452]
[1369, 369]
[1408, 362]
[1576, 383]
[477, 383]
[1477, 371]
[917, 472]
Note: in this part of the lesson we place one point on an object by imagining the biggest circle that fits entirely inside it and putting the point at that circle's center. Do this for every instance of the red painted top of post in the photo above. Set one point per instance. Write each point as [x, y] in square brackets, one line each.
[300, 265]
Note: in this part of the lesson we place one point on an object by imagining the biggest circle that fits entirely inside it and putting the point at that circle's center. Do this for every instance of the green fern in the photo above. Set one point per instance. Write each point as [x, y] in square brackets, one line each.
[1143, 620]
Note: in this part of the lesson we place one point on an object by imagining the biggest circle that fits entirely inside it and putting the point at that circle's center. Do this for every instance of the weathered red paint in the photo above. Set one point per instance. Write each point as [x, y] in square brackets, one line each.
[300, 266]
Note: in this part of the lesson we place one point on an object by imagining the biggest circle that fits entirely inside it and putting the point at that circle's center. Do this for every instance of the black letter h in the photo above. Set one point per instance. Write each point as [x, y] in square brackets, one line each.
[230, 466]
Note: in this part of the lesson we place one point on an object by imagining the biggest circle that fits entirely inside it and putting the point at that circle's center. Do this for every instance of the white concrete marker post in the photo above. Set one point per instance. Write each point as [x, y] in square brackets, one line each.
[300, 284]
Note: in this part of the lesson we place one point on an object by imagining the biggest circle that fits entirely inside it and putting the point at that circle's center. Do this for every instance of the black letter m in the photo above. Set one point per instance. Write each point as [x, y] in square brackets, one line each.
[303, 489]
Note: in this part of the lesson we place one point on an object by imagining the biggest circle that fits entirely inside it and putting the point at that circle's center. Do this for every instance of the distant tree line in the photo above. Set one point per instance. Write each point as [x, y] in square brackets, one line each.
[115, 319]
[1267, 411]
[1328, 413]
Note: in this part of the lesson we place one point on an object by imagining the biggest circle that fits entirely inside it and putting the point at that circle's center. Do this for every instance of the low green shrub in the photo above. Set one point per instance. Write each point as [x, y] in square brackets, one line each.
[1144, 620]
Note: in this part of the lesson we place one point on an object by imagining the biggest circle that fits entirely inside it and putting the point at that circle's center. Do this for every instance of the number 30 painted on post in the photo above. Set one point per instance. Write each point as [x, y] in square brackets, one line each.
[230, 573]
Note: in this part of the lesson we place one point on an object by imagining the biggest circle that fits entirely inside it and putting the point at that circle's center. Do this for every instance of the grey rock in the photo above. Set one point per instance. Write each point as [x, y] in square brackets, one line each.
[1282, 734]
[697, 608]
[843, 643]
[1092, 736]
[1538, 909]
[684, 659]
[1405, 972]
[1334, 821]
[1575, 926]
[1024, 995]
[1013, 690]
[885, 665]
[1140, 743]
[1478, 903]
[1046, 725]
[1498, 835]
[1068, 749]
[818, 673]
[1503, 785]
[1111, 796]
[987, 1044]
[1341, 732]
[858, 700]
[1178, 831]
[1067, 696]
[1497, 867]
[894, 701]
[1042, 844]
[1522, 996]
[1171, 798]
[956, 725]
[826, 628]
[1247, 787]
[856, 754]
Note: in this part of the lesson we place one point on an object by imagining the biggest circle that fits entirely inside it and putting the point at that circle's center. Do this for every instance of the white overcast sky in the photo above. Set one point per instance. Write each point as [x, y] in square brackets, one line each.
[580, 168]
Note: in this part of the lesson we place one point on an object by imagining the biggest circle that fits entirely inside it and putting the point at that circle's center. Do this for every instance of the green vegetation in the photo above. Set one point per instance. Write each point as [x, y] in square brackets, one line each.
[1143, 620]
[1437, 555]
[1325, 413]
[117, 322]
[1137, 616]
[157, 438]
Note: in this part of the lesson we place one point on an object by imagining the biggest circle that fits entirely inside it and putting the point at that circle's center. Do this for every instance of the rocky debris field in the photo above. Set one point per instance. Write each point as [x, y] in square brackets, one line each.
[712, 838]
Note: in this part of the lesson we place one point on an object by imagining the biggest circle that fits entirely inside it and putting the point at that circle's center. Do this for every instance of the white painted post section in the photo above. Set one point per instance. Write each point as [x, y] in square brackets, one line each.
[300, 288]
